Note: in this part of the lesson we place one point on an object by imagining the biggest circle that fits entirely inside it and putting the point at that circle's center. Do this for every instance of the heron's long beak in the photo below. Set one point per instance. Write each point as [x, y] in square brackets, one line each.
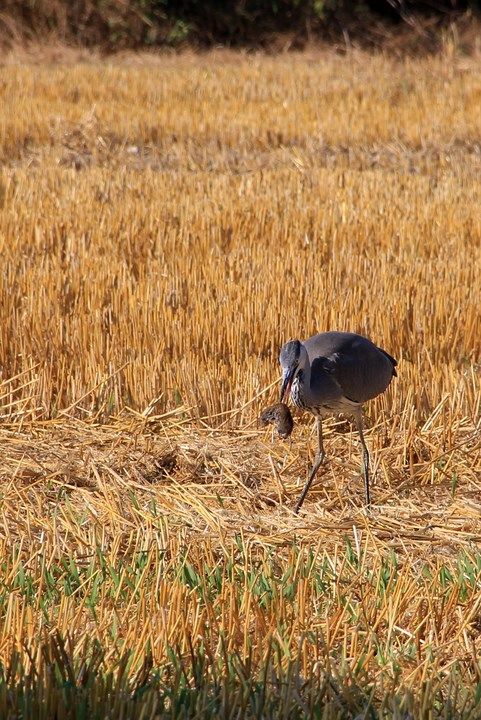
[287, 378]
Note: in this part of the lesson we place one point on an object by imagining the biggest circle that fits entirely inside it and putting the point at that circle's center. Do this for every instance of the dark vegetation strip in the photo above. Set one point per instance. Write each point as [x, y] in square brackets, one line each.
[117, 24]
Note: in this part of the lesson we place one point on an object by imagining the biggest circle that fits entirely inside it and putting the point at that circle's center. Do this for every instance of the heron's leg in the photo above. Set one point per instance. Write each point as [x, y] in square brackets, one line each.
[317, 462]
[365, 454]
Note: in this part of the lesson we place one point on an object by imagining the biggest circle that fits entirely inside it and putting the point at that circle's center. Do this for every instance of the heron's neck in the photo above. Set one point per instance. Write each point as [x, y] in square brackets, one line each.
[301, 384]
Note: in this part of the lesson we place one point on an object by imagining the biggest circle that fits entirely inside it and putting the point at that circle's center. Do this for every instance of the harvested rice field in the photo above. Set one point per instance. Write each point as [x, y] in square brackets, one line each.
[167, 223]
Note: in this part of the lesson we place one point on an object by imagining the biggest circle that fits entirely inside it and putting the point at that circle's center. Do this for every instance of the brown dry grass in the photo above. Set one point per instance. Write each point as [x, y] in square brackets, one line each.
[167, 223]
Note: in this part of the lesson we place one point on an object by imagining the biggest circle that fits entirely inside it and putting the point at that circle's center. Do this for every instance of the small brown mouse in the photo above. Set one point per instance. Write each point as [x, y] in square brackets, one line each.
[281, 415]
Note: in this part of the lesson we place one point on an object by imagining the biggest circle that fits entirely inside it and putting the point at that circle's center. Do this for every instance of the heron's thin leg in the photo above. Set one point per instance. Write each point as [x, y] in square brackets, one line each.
[317, 462]
[365, 455]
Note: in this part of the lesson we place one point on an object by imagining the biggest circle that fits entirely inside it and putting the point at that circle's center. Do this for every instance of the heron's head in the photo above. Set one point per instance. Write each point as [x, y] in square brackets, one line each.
[293, 358]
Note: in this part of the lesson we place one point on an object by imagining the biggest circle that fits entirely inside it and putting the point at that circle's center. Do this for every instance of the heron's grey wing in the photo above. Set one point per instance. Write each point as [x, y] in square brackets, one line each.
[363, 371]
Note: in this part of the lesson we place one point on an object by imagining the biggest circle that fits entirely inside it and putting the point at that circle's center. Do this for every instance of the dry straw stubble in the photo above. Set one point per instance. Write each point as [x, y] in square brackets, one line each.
[166, 225]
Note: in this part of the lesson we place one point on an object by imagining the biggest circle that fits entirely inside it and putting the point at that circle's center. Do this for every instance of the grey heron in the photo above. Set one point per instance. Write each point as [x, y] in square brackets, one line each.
[334, 372]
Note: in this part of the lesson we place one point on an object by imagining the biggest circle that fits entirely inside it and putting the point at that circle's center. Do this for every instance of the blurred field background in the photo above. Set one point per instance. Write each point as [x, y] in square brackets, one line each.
[167, 223]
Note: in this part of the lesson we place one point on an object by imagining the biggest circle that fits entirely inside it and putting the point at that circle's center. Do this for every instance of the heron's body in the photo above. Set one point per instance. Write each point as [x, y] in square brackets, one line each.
[335, 372]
